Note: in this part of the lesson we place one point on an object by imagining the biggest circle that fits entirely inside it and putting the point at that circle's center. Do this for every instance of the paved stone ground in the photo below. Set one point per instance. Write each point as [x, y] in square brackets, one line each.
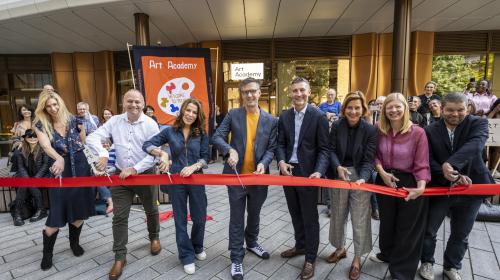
[21, 248]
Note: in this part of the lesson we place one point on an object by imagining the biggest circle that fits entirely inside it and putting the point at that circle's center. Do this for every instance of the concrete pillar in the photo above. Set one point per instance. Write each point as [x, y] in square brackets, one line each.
[141, 29]
[401, 45]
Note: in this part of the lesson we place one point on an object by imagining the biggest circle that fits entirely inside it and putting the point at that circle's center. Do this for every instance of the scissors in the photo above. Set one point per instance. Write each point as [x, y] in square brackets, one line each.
[238, 176]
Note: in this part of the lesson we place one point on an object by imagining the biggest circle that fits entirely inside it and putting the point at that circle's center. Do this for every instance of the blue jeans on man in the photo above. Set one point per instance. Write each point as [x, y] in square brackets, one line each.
[463, 210]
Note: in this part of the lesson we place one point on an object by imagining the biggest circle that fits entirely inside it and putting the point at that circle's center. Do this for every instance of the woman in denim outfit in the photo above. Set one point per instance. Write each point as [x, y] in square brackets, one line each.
[188, 144]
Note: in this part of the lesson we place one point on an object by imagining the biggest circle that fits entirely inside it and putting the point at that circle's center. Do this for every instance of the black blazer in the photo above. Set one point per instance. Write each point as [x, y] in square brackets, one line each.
[42, 164]
[469, 140]
[312, 150]
[363, 148]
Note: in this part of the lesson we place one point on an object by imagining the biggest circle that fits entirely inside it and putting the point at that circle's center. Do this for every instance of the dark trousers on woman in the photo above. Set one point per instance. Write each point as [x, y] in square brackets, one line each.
[22, 193]
[401, 232]
[251, 199]
[302, 205]
[179, 195]
[463, 211]
[123, 197]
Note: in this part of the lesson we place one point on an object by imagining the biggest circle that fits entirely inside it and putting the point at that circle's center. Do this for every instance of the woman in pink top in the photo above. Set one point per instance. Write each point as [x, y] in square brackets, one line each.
[482, 98]
[402, 161]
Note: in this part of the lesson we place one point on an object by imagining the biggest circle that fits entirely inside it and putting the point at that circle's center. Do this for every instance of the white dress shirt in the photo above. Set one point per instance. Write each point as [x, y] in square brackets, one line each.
[299, 117]
[128, 139]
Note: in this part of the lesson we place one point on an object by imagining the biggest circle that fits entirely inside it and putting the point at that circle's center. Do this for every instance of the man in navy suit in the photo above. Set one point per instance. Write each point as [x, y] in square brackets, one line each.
[455, 145]
[253, 140]
[303, 151]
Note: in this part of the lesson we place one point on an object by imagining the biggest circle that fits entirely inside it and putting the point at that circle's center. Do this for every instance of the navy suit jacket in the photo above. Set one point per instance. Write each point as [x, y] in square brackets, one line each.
[313, 149]
[363, 147]
[469, 139]
[236, 124]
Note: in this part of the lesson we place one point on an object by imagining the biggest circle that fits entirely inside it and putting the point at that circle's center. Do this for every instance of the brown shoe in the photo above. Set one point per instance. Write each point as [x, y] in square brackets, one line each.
[290, 253]
[337, 256]
[354, 273]
[155, 247]
[307, 271]
[117, 269]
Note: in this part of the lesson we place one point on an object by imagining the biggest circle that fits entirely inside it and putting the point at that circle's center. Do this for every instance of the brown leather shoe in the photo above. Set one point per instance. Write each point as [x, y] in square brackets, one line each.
[155, 247]
[354, 273]
[117, 269]
[337, 256]
[307, 271]
[290, 253]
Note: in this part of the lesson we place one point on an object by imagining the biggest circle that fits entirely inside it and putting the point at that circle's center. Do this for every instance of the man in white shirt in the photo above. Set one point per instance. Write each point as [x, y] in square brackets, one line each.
[128, 132]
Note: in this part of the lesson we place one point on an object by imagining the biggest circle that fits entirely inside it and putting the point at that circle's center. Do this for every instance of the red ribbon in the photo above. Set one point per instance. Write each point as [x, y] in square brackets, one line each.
[232, 180]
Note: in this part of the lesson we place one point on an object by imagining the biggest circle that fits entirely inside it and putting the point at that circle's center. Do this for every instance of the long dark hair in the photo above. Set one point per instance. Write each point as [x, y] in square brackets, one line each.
[198, 127]
[20, 116]
[25, 146]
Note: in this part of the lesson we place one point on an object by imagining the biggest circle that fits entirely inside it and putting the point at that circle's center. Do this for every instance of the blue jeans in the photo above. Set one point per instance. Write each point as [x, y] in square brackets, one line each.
[179, 195]
[463, 211]
[104, 193]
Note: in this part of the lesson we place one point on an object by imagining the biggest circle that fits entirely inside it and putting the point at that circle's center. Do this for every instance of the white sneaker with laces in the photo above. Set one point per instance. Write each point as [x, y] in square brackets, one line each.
[190, 268]
[452, 274]
[237, 271]
[201, 256]
[426, 271]
[259, 251]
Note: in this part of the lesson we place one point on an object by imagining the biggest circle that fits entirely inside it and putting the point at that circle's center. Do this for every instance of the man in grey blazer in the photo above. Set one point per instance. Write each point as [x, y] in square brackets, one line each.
[253, 141]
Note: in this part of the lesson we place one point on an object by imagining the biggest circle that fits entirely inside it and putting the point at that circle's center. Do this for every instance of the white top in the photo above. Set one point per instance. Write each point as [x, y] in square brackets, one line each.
[128, 139]
[299, 117]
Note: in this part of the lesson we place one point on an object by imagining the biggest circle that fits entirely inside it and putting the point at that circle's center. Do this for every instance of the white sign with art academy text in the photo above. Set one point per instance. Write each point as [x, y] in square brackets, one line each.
[494, 133]
[241, 71]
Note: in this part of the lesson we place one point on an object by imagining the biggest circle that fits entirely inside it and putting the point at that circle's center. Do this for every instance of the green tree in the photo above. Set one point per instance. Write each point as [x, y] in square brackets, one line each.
[453, 72]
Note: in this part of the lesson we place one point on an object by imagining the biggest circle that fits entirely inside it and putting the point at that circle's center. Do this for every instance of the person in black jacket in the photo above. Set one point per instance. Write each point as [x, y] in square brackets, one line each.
[353, 141]
[455, 145]
[31, 162]
[303, 151]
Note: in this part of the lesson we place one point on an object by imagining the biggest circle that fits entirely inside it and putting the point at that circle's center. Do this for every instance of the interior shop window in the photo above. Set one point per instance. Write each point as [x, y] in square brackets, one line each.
[29, 81]
[452, 73]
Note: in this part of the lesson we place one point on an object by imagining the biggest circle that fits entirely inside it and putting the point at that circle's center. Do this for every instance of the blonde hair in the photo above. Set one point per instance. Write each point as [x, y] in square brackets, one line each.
[384, 124]
[353, 96]
[44, 118]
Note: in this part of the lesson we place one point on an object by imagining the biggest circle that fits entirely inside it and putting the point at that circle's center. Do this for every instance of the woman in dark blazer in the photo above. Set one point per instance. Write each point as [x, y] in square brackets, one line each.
[353, 142]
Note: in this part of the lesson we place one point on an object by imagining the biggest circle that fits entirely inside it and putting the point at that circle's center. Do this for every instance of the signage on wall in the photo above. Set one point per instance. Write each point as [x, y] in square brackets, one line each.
[241, 71]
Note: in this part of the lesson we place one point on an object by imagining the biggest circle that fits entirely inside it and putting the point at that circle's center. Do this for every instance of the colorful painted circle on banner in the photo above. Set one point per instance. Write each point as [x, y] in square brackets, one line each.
[173, 93]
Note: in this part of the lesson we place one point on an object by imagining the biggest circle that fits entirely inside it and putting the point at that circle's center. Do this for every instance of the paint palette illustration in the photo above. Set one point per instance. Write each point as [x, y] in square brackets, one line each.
[173, 93]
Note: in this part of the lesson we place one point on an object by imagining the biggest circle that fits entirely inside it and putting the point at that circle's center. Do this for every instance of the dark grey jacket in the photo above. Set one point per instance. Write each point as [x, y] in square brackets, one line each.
[235, 123]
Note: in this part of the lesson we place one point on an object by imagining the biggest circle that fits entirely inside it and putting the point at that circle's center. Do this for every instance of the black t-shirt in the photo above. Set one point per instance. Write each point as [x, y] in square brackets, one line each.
[424, 107]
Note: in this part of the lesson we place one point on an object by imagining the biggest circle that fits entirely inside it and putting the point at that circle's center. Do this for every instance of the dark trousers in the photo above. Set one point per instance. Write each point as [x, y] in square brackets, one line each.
[401, 232]
[22, 193]
[123, 197]
[463, 211]
[302, 205]
[179, 195]
[250, 198]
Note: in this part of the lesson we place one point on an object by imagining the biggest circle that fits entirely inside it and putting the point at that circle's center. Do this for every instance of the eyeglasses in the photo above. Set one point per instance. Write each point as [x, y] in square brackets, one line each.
[249, 92]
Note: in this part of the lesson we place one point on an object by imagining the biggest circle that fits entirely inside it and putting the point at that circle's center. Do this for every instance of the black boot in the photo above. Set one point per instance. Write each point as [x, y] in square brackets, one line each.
[18, 220]
[40, 212]
[48, 249]
[74, 240]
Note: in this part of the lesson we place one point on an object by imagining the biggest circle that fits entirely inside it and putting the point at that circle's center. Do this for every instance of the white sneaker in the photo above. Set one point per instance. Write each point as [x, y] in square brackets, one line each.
[190, 268]
[452, 274]
[237, 271]
[259, 251]
[201, 256]
[426, 271]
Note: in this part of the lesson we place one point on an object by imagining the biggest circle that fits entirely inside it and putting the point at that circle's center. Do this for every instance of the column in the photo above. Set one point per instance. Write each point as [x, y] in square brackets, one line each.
[401, 45]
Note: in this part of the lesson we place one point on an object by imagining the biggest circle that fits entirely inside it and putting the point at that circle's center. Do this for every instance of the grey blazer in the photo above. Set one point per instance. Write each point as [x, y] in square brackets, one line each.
[236, 124]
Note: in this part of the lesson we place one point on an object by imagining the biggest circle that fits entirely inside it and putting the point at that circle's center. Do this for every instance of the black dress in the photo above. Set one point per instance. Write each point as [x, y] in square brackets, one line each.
[68, 205]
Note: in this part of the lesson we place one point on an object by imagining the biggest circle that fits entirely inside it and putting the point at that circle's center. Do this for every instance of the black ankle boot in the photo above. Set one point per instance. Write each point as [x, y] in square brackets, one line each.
[18, 220]
[39, 214]
[74, 240]
[48, 250]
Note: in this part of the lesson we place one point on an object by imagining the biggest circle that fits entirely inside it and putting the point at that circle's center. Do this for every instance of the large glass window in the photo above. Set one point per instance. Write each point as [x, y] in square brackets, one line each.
[452, 73]
[29, 81]
[321, 74]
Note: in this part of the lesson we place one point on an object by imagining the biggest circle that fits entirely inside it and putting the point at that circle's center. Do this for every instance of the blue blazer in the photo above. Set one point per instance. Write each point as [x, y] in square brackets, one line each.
[236, 124]
[313, 149]
[469, 139]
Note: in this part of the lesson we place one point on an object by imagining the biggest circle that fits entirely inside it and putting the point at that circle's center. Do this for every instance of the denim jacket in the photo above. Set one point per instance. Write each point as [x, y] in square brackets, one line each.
[182, 154]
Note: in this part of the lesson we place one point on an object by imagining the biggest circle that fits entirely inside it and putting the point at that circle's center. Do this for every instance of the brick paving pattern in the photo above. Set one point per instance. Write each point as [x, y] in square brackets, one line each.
[21, 247]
